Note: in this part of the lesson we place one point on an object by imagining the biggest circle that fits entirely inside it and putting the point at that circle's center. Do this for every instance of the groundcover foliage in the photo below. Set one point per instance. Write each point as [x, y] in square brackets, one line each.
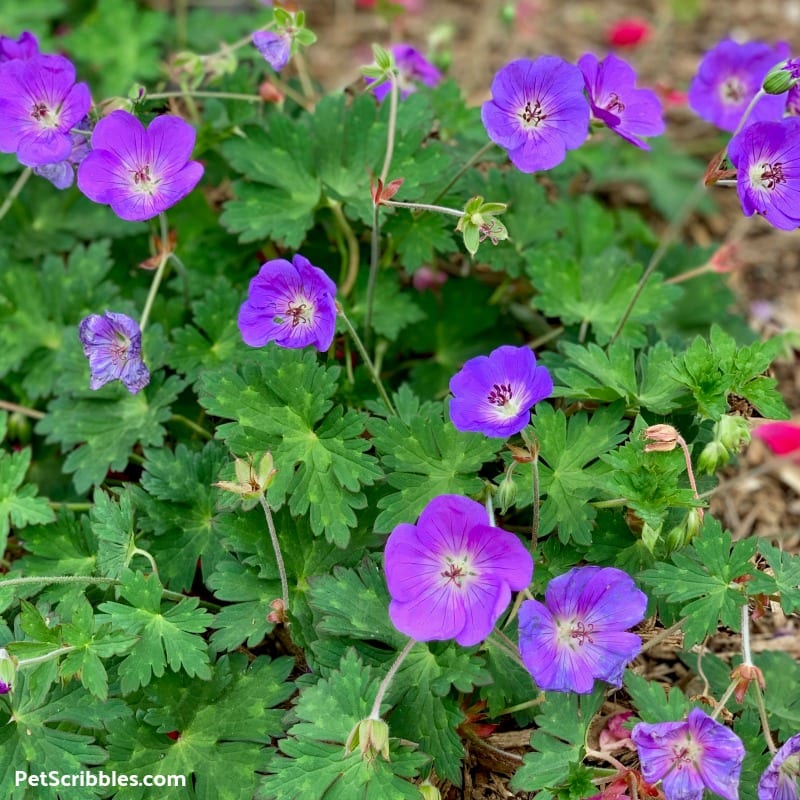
[289, 507]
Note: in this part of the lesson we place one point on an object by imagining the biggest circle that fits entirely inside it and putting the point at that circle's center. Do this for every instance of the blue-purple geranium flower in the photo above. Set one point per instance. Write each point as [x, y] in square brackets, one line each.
[62, 173]
[39, 104]
[690, 756]
[767, 160]
[275, 47]
[780, 778]
[290, 303]
[451, 575]
[139, 172]
[579, 633]
[113, 344]
[413, 69]
[728, 78]
[27, 46]
[537, 112]
[630, 112]
[494, 394]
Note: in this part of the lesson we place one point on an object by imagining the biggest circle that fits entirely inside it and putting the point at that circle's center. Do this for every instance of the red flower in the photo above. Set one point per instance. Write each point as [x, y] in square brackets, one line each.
[628, 32]
[782, 438]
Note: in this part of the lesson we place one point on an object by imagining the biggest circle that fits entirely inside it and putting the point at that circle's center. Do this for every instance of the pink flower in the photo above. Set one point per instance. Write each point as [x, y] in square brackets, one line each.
[783, 438]
[628, 32]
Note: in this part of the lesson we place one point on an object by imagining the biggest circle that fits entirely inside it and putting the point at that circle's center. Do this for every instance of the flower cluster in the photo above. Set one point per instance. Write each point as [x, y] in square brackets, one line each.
[451, 575]
[579, 633]
[540, 109]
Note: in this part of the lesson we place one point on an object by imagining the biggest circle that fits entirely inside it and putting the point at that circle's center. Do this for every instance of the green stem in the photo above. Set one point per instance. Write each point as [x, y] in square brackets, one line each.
[747, 656]
[15, 190]
[200, 431]
[724, 699]
[537, 701]
[367, 361]
[554, 333]
[392, 130]
[762, 714]
[506, 645]
[276, 546]
[251, 98]
[151, 296]
[687, 457]
[305, 79]
[183, 272]
[661, 635]
[353, 256]
[30, 662]
[453, 212]
[69, 506]
[375, 713]
[14, 408]
[664, 244]
[464, 167]
[372, 278]
[137, 551]
[615, 503]
[535, 521]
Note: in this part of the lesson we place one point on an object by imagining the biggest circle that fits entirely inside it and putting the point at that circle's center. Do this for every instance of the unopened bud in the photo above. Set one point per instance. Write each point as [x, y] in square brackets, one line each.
[429, 791]
[782, 77]
[733, 432]
[251, 482]
[713, 456]
[506, 493]
[8, 671]
[278, 614]
[371, 737]
[660, 438]
[744, 675]
[270, 93]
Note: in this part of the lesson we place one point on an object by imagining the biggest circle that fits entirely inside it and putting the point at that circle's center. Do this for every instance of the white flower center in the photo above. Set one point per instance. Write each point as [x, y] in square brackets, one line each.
[457, 572]
[532, 115]
[48, 118]
[732, 90]
[300, 310]
[143, 181]
[766, 175]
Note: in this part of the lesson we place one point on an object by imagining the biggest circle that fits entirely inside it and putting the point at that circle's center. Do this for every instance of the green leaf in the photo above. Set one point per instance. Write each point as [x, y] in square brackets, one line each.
[570, 472]
[652, 703]
[106, 429]
[112, 524]
[425, 457]
[785, 580]
[704, 573]
[19, 505]
[421, 239]
[165, 639]
[281, 402]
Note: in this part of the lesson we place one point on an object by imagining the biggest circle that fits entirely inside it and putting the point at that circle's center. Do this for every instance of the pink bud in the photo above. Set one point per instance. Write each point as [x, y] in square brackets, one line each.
[426, 278]
[782, 438]
[628, 32]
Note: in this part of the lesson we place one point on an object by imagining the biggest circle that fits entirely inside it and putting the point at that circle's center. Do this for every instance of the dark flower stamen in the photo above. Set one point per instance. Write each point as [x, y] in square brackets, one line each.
[40, 111]
[733, 90]
[615, 105]
[298, 314]
[142, 175]
[582, 633]
[454, 573]
[500, 394]
[772, 175]
[533, 115]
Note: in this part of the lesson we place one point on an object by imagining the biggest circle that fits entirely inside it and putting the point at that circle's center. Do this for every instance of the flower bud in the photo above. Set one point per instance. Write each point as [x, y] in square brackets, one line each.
[745, 674]
[429, 791]
[8, 671]
[270, 93]
[713, 456]
[250, 482]
[782, 77]
[506, 493]
[660, 438]
[371, 737]
[733, 432]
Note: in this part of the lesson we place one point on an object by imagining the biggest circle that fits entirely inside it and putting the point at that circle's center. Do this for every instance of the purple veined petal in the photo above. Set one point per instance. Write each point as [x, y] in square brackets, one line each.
[447, 521]
[502, 126]
[124, 135]
[135, 376]
[275, 48]
[134, 206]
[45, 147]
[654, 743]
[683, 783]
[27, 46]
[61, 175]
[75, 106]
[171, 142]
[612, 599]
[477, 623]
[502, 553]
[563, 593]
[779, 780]
[308, 272]
[609, 652]
[100, 174]
[722, 754]
[542, 151]
[434, 614]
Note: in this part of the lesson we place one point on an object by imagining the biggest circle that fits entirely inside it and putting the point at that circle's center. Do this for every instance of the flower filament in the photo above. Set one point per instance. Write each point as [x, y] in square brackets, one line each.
[456, 571]
[501, 394]
[732, 91]
[532, 116]
[582, 633]
[614, 104]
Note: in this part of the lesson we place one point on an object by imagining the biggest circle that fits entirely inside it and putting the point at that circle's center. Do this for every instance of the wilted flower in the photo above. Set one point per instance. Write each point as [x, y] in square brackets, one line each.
[290, 303]
[412, 69]
[371, 737]
[767, 160]
[139, 172]
[27, 46]
[780, 778]
[113, 344]
[251, 482]
[660, 438]
[614, 735]
[537, 112]
[728, 78]
[579, 633]
[451, 575]
[627, 111]
[275, 47]
[494, 394]
[39, 104]
[690, 756]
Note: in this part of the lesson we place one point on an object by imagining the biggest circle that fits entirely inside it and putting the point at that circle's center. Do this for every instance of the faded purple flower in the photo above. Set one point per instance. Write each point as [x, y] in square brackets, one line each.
[113, 344]
[275, 47]
[579, 633]
[780, 778]
[39, 104]
[690, 756]
[451, 575]
[139, 172]
[290, 303]
[728, 78]
[62, 174]
[793, 101]
[767, 160]
[615, 100]
[413, 69]
[494, 394]
[27, 46]
[537, 112]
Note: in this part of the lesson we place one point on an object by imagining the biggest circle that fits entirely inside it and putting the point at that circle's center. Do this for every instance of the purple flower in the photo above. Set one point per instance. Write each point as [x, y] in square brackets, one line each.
[62, 174]
[27, 46]
[690, 756]
[779, 781]
[113, 344]
[292, 304]
[793, 101]
[728, 78]
[451, 575]
[767, 160]
[275, 47]
[139, 172]
[537, 112]
[5, 688]
[39, 103]
[412, 69]
[615, 100]
[579, 632]
[494, 394]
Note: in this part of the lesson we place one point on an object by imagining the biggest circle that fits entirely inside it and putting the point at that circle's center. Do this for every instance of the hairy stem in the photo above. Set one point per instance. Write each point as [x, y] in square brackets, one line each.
[159, 274]
[353, 256]
[250, 98]
[276, 546]
[30, 662]
[464, 167]
[15, 190]
[375, 713]
[391, 132]
[453, 212]
[199, 430]
[14, 408]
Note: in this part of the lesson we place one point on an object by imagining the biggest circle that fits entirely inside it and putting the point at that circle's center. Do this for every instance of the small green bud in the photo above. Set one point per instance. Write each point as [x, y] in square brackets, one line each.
[8, 671]
[782, 77]
[714, 456]
[371, 737]
[251, 482]
[282, 17]
[429, 791]
[383, 58]
[506, 493]
[651, 536]
[733, 432]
